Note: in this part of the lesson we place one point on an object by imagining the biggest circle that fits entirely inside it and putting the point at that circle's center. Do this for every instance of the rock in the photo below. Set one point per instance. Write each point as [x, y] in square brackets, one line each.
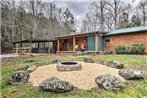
[56, 85]
[114, 64]
[131, 74]
[109, 82]
[55, 61]
[31, 68]
[19, 77]
[101, 62]
[88, 60]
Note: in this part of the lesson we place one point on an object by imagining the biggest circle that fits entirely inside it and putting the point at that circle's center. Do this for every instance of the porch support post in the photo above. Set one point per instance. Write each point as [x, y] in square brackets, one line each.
[49, 47]
[21, 50]
[58, 45]
[16, 48]
[74, 42]
[30, 47]
[44, 44]
[96, 42]
[38, 45]
[21, 45]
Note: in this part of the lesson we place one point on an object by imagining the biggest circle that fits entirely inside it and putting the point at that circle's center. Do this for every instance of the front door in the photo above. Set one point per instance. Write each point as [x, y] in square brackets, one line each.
[91, 43]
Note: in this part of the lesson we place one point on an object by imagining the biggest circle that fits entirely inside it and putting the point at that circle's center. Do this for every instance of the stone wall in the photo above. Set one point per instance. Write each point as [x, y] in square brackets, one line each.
[126, 39]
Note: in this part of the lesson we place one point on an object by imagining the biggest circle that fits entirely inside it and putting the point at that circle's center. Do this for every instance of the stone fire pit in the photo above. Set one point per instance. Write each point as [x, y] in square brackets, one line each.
[69, 66]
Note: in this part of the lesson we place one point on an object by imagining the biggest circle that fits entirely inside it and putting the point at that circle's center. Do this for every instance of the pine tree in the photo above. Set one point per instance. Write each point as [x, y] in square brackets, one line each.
[124, 20]
[69, 20]
[135, 21]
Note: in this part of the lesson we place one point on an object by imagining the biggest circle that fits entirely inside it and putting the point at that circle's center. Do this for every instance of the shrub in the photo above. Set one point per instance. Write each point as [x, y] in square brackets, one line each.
[120, 49]
[134, 49]
[137, 48]
[128, 50]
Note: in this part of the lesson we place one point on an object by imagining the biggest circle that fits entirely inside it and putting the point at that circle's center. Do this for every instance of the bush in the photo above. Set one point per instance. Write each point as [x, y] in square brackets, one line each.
[128, 50]
[120, 49]
[134, 49]
[137, 48]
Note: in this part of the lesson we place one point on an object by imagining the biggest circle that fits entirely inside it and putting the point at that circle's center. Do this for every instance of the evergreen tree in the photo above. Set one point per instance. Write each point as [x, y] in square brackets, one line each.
[135, 21]
[69, 20]
[124, 20]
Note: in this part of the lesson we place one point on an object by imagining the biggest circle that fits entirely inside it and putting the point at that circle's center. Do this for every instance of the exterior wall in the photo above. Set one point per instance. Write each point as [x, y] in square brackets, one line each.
[127, 40]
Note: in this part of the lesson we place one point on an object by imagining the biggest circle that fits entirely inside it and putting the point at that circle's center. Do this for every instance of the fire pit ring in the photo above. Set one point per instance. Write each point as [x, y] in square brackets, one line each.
[69, 66]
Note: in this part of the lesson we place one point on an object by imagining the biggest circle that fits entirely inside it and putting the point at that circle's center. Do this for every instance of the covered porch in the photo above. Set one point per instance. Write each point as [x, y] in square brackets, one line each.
[30, 46]
[92, 43]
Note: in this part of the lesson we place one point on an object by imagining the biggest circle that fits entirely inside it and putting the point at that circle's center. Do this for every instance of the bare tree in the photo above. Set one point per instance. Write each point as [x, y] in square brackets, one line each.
[99, 10]
[115, 8]
[142, 6]
[34, 6]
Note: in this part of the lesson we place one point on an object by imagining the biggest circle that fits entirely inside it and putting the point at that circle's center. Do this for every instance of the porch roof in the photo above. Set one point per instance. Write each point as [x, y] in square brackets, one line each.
[34, 40]
[128, 30]
[87, 33]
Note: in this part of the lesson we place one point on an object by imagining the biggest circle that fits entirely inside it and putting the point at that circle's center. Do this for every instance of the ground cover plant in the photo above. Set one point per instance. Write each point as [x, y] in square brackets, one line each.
[133, 89]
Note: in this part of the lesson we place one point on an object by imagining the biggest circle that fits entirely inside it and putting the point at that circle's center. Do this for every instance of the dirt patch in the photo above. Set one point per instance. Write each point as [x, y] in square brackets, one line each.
[84, 79]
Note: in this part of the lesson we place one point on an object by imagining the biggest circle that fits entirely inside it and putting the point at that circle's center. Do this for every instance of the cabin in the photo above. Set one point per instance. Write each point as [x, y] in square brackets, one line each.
[93, 42]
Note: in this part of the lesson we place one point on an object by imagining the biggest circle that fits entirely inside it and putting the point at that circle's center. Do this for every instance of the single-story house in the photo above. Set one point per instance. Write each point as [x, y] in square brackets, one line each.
[93, 41]
[103, 40]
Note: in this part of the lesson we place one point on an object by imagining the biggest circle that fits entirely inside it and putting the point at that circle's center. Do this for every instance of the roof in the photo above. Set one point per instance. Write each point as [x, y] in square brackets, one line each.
[34, 40]
[77, 34]
[128, 30]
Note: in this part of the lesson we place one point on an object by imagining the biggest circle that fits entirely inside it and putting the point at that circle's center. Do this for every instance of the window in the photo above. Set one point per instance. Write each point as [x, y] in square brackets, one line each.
[107, 39]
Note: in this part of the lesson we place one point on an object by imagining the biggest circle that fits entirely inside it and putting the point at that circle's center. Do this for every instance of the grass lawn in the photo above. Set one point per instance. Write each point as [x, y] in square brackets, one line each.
[133, 89]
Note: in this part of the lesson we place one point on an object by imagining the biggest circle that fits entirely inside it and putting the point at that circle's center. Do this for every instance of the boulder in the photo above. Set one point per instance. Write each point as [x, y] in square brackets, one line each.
[31, 68]
[109, 82]
[55, 61]
[101, 62]
[114, 64]
[56, 85]
[88, 60]
[131, 74]
[19, 77]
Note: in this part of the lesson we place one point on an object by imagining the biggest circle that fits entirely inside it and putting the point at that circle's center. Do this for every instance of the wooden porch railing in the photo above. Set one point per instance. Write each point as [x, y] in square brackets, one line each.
[21, 50]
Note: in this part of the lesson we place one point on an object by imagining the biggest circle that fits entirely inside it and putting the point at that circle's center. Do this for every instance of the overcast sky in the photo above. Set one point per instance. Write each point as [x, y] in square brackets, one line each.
[79, 8]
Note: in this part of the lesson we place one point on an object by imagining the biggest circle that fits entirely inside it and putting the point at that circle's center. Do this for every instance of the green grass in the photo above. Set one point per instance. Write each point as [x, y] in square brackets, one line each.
[133, 89]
